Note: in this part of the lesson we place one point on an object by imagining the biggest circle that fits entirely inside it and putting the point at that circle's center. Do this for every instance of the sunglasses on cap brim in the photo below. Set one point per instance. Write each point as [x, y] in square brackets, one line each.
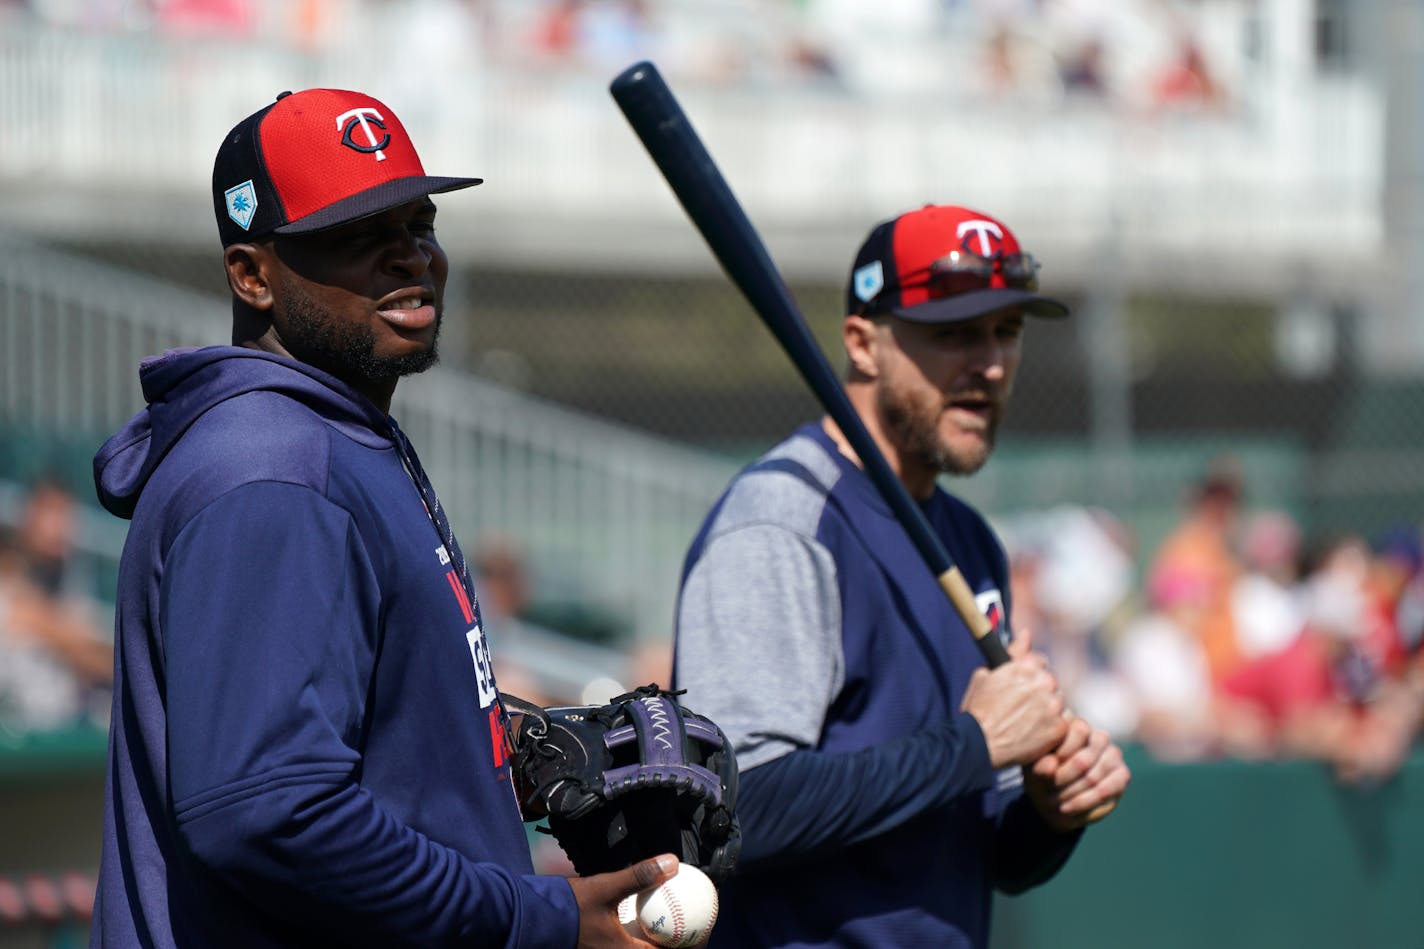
[960, 271]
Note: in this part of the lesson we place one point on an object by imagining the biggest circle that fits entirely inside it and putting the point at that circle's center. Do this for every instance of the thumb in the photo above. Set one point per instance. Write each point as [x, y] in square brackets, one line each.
[649, 873]
[1021, 644]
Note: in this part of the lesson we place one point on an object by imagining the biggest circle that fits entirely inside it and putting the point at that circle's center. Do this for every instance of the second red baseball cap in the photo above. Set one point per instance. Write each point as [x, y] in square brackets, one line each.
[315, 159]
[943, 263]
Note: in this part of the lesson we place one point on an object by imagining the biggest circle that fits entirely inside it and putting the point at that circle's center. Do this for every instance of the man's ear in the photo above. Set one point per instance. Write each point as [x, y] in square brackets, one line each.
[858, 335]
[249, 274]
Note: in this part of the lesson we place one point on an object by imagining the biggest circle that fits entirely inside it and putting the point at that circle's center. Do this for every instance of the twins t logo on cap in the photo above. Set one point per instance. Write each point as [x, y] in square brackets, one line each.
[347, 123]
[990, 235]
[985, 230]
[241, 203]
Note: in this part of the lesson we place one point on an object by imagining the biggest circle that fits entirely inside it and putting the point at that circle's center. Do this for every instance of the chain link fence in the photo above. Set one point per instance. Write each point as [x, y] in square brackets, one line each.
[1121, 406]
[1191, 378]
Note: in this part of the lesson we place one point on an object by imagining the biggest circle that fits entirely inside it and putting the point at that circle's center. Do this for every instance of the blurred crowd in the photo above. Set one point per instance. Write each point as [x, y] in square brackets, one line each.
[1237, 635]
[56, 648]
[49, 901]
[1144, 53]
[1244, 637]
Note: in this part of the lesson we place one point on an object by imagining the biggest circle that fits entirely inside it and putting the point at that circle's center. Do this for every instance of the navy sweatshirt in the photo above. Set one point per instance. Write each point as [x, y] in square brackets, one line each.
[306, 745]
[810, 629]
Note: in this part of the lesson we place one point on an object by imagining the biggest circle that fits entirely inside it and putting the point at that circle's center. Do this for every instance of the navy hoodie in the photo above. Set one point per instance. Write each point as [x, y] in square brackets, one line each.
[306, 746]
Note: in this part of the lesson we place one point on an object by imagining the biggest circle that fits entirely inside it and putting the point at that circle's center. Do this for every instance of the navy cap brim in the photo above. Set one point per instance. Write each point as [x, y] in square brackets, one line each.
[976, 303]
[382, 197]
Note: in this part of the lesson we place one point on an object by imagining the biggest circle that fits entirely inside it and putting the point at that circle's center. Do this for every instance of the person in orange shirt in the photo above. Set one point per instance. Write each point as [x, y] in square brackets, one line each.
[1203, 546]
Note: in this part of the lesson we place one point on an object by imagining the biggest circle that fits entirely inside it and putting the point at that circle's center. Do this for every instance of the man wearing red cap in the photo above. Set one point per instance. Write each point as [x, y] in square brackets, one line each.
[308, 746]
[889, 781]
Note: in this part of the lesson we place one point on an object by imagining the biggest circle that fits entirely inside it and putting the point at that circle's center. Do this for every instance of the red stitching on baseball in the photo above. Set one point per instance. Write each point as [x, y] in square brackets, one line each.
[678, 928]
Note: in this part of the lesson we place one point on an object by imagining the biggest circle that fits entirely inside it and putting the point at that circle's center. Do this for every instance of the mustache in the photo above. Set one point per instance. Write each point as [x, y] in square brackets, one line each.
[993, 395]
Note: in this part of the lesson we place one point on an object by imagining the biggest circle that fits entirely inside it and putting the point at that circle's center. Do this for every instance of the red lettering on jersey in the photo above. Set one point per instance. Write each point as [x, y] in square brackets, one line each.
[500, 739]
[461, 597]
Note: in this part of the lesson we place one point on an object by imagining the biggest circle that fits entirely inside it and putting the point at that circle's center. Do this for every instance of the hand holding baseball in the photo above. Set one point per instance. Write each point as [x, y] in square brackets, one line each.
[599, 906]
[679, 913]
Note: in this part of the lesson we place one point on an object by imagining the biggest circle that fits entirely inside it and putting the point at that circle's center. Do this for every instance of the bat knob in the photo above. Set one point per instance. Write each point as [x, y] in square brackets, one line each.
[634, 75]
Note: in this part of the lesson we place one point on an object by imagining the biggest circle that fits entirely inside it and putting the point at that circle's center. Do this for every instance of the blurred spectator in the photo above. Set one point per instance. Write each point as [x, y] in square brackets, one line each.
[1409, 614]
[1397, 578]
[1071, 579]
[44, 539]
[540, 660]
[88, 14]
[1394, 721]
[56, 663]
[1161, 657]
[1012, 66]
[1387, 730]
[503, 582]
[601, 35]
[1083, 70]
[1314, 692]
[1381, 645]
[615, 33]
[312, 22]
[808, 59]
[1186, 83]
[556, 29]
[47, 900]
[999, 66]
[227, 18]
[502, 585]
[1265, 605]
[1202, 549]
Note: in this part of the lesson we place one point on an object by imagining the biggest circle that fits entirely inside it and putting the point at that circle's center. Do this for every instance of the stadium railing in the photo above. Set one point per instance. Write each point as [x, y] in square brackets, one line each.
[602, 510]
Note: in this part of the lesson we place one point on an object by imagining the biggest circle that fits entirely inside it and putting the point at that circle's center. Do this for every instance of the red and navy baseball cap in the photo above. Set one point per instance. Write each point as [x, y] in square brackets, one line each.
[943, 263]
[315, 159]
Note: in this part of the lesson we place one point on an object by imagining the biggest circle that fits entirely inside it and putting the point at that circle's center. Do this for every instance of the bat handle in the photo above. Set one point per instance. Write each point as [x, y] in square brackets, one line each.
[1101, 811]
[985, 635]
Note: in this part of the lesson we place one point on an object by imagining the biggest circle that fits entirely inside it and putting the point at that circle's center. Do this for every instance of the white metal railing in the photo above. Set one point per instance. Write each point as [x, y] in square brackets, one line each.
[608, 511]
[107, 132]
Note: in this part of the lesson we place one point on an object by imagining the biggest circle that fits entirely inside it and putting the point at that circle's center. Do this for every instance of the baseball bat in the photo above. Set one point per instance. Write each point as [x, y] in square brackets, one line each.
[676, 149]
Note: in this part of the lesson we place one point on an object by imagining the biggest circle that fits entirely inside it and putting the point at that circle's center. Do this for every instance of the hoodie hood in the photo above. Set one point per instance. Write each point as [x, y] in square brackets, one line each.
[181, 384]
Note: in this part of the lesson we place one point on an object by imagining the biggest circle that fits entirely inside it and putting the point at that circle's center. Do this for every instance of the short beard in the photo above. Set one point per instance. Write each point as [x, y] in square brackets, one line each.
[347, 351]
[915, 433]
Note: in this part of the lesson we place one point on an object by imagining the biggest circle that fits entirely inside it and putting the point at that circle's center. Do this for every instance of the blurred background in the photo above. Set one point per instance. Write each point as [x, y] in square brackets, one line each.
[1211, 482]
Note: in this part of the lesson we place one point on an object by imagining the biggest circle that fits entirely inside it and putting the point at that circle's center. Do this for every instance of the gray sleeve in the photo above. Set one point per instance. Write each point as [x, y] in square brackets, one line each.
[759, 639]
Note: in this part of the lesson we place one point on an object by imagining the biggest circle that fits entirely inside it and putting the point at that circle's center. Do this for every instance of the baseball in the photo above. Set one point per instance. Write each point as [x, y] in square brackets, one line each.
[682, 911]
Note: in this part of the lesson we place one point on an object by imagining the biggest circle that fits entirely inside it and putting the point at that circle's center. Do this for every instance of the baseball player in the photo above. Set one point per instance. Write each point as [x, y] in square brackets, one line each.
[890, 782]
[308, 745]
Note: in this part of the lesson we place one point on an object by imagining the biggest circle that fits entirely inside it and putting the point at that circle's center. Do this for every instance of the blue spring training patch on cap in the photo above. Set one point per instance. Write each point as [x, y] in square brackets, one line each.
[241, 203]
[868, 281]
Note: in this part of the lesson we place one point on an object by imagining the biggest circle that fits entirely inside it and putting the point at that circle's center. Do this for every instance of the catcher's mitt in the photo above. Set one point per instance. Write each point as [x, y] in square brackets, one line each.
[629, 780]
